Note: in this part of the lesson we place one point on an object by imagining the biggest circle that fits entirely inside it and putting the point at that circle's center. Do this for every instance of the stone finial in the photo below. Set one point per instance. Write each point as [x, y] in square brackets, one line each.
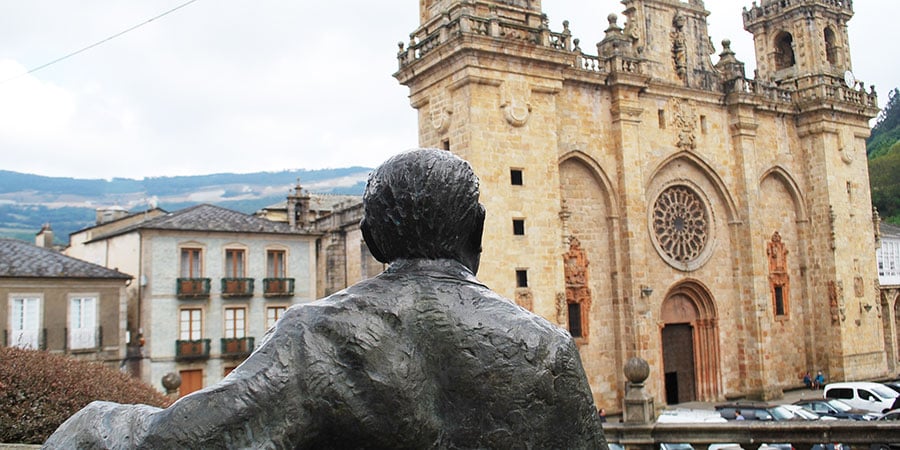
[637, 370]
[171, 382]
[639, 406]
[613, 25]
[614, 42]
[728, 64]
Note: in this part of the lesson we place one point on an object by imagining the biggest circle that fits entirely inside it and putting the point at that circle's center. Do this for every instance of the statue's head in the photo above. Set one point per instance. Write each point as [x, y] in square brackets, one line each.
[423, 204]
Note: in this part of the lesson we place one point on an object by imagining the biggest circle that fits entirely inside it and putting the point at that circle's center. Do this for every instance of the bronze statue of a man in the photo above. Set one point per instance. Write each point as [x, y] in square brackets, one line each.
[421, 356]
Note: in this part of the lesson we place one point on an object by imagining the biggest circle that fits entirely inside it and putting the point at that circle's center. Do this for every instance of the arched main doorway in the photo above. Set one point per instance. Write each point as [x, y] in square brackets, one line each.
[690, 344]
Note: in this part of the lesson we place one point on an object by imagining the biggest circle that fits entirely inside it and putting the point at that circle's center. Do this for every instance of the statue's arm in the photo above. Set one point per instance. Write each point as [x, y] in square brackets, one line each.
[260, 404]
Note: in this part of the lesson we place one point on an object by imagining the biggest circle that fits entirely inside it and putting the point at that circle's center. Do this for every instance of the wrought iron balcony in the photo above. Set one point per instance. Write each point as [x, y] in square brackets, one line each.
[191, 350]
[237, 287]
[278, 287]
[83, 340]
[237, 347]
[192, 287]
[32, 339]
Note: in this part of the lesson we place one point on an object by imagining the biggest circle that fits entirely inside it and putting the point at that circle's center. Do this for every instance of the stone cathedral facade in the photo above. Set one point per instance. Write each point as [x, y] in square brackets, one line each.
[657, 201]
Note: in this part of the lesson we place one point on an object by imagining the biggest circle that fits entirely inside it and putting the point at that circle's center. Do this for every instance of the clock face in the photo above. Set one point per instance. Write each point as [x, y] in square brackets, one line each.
[849, 79]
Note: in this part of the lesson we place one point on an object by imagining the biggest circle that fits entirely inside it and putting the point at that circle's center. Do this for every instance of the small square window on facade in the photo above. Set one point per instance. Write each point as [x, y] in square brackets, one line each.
[445, 144]
[519, 227]
[521, 278]
[515, 177]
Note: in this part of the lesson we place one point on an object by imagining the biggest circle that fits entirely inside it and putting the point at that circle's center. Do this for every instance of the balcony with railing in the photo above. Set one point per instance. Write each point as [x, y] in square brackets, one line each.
[237, 287]
[30, 339]
[192, 287]
[191, 350]
[83, 339]
[237, 347]
[278, 287]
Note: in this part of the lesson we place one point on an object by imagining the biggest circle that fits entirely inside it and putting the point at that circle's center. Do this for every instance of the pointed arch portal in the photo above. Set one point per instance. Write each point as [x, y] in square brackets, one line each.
[690, 344]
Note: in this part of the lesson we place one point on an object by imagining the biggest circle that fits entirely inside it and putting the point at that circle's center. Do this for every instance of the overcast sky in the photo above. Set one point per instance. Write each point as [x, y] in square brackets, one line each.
[261, 85]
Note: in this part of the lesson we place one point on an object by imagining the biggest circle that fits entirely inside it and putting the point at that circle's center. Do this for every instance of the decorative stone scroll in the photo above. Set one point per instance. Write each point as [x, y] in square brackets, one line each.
[440, 112]
[515, 101]
[525, 298]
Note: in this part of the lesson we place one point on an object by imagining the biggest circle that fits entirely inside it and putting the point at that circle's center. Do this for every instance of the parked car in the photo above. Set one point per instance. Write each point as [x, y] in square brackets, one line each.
[894, 415]
[806, 414]
[895, 385]
[756, 411]
[872, 397]
[684, 415]
[832, 407]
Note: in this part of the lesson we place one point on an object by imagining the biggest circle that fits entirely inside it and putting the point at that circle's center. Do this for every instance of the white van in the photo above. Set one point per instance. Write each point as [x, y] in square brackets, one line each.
[873, 397]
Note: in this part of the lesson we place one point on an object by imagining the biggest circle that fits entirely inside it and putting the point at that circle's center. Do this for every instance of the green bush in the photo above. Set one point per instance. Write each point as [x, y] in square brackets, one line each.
[39, 391]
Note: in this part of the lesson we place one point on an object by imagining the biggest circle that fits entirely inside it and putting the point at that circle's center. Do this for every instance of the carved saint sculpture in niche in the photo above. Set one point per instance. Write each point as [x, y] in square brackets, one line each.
[679, 46]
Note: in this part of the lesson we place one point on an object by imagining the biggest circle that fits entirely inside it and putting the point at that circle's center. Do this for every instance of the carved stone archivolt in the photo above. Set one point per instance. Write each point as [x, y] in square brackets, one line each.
[681, 227]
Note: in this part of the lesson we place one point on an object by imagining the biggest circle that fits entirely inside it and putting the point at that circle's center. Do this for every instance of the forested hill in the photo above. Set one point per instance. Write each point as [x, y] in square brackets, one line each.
[69, 204]
[883, 148]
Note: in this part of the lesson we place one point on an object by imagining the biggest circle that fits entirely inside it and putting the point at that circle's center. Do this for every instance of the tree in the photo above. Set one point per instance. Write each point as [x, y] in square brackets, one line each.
[40, 390]
[887, 127]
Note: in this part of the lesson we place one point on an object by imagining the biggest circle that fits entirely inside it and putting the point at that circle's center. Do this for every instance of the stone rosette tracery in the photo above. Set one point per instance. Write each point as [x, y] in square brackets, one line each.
[681, 227]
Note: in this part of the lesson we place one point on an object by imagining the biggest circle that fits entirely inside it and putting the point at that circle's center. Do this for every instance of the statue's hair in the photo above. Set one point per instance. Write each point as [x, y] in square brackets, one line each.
[422, 203]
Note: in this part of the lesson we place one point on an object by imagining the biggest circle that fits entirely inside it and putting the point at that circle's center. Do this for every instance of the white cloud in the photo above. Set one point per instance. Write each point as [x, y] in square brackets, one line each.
[243, 86]
[31, 108]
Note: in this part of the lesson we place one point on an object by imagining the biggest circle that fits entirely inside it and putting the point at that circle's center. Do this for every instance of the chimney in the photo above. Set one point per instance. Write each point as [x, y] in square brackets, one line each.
[110, 213]
[44, 238]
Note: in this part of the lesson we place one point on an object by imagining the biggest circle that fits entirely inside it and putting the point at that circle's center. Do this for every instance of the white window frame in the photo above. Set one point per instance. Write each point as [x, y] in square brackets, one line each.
[194, 329]
[235, 322]
[83, 322]
[25, 321]
[276, 266]
[273, 313]
[235, 269]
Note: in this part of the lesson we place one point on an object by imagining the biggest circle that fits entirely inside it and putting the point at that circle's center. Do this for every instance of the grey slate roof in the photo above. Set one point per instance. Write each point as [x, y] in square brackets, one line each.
[19, 259]
[208, 218]
[888, 230]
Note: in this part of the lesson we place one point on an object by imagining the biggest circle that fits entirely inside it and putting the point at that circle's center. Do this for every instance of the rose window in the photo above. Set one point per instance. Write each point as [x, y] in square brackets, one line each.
[681, 225]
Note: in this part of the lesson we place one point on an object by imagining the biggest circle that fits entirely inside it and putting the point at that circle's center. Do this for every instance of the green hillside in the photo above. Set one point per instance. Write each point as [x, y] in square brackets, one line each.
[27, 202]
[883, 149]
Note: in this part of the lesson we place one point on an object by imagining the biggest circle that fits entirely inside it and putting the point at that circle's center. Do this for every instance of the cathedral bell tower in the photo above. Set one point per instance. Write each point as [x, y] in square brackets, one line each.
[798, 38]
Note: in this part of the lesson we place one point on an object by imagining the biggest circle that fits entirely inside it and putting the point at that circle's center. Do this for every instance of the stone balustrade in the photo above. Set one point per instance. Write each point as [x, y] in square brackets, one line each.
[756, 13]
[759, 88]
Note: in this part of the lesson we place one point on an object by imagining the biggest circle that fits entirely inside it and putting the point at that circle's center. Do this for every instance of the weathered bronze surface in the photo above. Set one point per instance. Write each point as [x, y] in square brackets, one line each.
[421, 356]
